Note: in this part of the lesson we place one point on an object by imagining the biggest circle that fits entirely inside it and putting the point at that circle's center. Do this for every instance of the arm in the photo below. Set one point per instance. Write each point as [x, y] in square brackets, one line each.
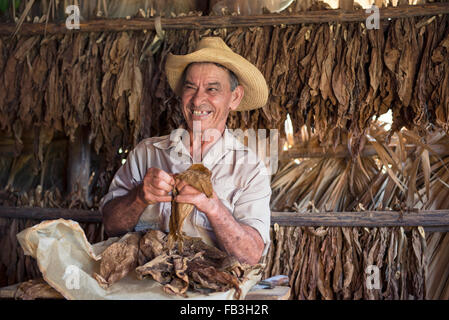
[121, 214]
[238, 239]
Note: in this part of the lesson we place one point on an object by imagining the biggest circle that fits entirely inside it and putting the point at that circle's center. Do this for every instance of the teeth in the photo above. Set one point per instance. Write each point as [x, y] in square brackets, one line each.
[200, 113]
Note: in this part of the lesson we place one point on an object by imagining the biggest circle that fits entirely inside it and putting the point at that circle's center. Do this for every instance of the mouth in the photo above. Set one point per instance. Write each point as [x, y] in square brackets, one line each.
[200, 114]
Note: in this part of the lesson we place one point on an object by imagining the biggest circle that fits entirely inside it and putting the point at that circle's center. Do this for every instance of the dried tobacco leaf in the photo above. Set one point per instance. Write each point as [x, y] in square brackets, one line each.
[118, 260]
[36, 289]
[200, 267]
[198, 177]
[160, 269]
[210, 277]
[152, 244]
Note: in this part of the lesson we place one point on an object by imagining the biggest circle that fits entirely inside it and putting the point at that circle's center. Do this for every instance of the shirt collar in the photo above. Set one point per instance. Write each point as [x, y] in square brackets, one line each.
[231, 142]
[170, 140]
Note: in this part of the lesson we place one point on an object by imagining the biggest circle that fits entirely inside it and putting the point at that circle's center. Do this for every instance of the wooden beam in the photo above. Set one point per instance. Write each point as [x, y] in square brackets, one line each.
[431, 220]
[212, 22]
[50, 214]
[436, 219]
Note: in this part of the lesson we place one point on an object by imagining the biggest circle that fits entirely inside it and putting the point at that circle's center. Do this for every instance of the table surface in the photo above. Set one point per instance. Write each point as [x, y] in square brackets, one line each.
[256, 293]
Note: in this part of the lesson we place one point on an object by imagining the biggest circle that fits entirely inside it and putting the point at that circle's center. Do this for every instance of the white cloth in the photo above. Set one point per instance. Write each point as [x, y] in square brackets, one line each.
[239, 178]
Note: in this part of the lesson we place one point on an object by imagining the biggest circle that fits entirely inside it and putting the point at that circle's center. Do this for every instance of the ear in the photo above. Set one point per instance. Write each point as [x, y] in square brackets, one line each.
[237, 96]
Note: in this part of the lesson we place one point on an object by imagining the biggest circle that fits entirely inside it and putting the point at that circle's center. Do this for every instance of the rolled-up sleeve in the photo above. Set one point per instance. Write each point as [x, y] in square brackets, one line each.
[130, 174]
[253, 206]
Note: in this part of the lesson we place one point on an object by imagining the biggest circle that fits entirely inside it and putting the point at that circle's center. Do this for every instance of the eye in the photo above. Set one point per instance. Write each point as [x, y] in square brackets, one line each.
[189, 87]
[212, 89]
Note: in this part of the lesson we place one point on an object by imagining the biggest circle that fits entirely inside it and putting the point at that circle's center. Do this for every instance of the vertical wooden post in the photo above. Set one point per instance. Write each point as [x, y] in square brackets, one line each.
[346, 5]
[78, 171]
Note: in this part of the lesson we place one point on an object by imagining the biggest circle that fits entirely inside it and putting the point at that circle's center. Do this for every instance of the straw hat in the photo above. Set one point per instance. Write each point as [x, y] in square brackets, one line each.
[213, 49]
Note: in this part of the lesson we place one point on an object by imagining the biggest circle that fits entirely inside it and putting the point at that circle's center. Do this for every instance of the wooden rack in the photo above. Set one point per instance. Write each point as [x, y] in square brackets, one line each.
[430, 220]
[230, 21]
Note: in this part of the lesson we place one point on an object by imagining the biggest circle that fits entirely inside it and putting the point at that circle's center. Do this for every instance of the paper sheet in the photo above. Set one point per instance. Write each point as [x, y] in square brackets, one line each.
[67, 261]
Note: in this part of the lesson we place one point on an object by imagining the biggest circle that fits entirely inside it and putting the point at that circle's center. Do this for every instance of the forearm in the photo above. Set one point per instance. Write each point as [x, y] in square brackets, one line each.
[239, 240]
[120, 215]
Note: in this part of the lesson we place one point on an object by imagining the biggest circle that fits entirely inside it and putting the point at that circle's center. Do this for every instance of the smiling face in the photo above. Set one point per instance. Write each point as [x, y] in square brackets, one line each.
[207, 96]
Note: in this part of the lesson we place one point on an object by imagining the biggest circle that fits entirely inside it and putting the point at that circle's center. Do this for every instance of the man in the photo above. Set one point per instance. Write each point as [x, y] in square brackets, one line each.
[211, 81]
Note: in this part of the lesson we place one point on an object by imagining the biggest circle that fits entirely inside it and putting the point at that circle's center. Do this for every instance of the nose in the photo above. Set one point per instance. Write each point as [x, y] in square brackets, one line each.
[198, 98]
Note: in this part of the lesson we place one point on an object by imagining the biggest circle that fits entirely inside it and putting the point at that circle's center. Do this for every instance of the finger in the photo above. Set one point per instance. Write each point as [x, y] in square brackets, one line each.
[156, 195]
[156, 192]
[150, 189]
[186, 198]
[188, 189]
[164, 176]
[161, 174]
[163, 198]
[161, 185]
[181, 184]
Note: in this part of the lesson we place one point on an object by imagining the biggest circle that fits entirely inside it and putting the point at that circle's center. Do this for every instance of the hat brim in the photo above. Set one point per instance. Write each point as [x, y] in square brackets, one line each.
[252, 80]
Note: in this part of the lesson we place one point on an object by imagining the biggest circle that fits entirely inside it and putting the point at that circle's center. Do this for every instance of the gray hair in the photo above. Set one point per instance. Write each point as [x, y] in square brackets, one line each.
[233, 80]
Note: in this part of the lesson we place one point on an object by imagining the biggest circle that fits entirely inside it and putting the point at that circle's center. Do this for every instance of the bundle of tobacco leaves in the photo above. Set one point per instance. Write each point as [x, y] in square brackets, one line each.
[335, 263]
[199, 267]
[197, 176]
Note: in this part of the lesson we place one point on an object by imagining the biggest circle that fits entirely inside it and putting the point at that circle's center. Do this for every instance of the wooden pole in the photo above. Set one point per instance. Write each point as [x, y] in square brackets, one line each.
[50, 214]
[212, 22]
[431, 220]
[425, 218]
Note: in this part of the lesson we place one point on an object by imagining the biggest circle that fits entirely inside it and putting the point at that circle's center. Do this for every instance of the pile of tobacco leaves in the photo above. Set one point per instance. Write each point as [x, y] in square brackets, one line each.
[198, 267]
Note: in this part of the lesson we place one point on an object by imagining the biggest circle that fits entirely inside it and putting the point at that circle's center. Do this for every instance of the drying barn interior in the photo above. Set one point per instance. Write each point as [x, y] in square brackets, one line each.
[361, 173]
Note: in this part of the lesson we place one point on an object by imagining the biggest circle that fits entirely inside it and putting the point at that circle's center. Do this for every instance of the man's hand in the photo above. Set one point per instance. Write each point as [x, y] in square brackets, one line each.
[156, 186]
[188, 194]
[239, 240]
[121, 214]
